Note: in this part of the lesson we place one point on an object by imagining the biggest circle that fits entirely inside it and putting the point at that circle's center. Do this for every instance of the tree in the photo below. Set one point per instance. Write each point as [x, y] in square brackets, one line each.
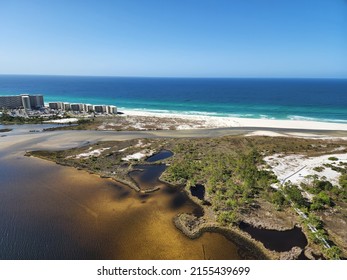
[227, 217]
[315, 221]
[333, 253]
[320, 201]
[343, 181]
[295, 195]
[323, 185]
[278, 199]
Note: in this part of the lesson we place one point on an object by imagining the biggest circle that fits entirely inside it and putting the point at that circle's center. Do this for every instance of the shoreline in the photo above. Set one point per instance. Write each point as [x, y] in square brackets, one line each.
[201, 121]
[252, 248]
[144, 121]
[77, 137]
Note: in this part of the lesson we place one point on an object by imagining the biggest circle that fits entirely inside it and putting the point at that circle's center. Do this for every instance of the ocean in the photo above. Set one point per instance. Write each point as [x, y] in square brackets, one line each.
[293, 99]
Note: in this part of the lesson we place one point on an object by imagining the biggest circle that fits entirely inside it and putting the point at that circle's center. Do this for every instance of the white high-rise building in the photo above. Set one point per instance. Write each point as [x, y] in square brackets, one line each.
[66, 106]
[26, 101]
[77, 107]
[112, 110]
[56, 105]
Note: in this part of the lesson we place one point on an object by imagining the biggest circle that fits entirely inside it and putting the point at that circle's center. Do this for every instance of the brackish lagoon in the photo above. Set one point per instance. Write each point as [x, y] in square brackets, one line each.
[50, 211]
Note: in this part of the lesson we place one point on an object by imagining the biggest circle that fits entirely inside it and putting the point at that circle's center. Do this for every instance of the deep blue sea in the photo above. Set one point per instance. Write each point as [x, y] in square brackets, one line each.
[310, 99]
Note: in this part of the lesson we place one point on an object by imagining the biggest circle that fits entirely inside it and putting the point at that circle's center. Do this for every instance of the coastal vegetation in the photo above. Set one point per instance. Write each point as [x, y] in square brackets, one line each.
[231, 178]
[122, 122]
[7, 119]
[238, 184]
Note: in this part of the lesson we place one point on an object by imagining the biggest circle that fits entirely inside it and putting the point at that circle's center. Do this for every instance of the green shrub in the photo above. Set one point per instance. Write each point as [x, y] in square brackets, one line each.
[320, 201]
[323, 185]
[319, 168]
[278, 199]
[333, 253]
[295, 195]
[343, 181]
[333, 158]
[227, 217]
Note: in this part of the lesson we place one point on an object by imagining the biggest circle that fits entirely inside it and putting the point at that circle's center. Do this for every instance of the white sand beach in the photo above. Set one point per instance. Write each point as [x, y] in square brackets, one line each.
[63, 121]
[198, 121]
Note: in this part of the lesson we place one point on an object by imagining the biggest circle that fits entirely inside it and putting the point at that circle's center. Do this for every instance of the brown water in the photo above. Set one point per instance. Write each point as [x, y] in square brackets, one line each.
[147, 176]
[49, 211]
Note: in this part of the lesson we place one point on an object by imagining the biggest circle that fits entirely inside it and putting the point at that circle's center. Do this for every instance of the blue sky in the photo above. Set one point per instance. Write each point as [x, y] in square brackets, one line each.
[184, 38]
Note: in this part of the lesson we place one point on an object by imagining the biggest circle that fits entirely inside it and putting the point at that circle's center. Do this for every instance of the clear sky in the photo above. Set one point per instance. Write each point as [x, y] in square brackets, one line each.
[185, 38]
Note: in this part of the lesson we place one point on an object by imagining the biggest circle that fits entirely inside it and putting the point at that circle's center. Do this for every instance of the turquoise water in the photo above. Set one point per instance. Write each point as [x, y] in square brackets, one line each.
[301, 99]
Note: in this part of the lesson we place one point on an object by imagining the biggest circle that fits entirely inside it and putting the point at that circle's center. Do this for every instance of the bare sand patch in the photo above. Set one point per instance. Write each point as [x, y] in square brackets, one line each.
[298, 168]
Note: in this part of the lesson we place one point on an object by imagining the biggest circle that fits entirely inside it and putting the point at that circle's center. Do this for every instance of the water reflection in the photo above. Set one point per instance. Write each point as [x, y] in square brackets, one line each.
[198, 191]
[54, 212]
[163, 154]
[279, 241]
[147, 176]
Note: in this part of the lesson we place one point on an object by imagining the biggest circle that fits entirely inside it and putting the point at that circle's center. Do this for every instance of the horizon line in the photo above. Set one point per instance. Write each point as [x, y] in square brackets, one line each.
[177, 77]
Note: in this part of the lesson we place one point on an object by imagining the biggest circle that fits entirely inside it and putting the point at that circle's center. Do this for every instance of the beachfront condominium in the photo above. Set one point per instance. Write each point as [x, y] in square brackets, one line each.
[100, 108]
[82, 107]
[63, 106]
[108, 109]
[26, 101]
[77, 107]
[66, 106]
[36, 101]
[56, 105]
[112, 109]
